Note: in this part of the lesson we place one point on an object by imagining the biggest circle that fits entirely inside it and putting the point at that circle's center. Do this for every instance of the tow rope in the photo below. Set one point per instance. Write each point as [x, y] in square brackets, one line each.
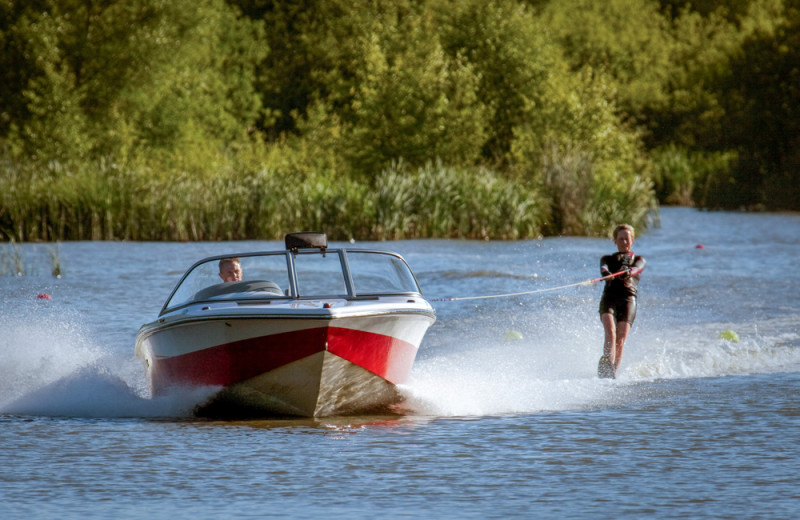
[549, 289]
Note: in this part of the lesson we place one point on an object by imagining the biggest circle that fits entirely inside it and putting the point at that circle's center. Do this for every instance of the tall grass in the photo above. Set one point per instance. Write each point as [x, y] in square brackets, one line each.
[586, 197]
[440, 201]
[14, 262]
[259, 198]
[111, 202]
[11, 260]
[686, 178]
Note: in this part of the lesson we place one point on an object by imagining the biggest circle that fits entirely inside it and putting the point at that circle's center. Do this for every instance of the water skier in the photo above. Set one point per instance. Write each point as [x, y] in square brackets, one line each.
[621, 272]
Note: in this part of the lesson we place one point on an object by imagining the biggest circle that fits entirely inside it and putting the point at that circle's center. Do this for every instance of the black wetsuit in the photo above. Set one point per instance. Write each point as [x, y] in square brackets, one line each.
[619, 295]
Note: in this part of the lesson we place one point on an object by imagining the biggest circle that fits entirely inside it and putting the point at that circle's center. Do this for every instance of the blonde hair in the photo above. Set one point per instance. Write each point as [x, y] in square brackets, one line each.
[226, 261]
[624, 227]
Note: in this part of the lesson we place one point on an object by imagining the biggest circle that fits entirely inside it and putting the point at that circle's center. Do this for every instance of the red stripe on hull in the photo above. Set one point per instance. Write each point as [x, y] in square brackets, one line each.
[238, 361]
[386, 356]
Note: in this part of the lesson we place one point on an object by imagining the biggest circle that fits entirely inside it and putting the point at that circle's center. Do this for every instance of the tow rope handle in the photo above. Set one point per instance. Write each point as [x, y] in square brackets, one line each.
[634, 272]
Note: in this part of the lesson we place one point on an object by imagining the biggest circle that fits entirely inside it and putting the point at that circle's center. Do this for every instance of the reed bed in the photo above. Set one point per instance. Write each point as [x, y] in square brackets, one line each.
[18, 261]
[260, 200]
[440, 201]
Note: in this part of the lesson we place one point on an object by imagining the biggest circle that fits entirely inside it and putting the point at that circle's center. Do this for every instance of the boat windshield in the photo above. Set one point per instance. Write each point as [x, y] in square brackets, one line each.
[264, 275]
[301, 274]
[372, 273]
[380, 274]
[320, 274]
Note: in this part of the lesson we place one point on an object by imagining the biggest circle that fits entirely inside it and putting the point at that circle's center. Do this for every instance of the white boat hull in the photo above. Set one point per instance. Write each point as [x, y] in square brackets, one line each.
[304, 366]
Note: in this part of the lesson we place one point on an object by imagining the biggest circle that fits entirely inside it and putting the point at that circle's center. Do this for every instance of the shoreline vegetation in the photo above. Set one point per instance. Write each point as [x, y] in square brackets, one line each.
[227, 120]
[15, 262]
[113, 203]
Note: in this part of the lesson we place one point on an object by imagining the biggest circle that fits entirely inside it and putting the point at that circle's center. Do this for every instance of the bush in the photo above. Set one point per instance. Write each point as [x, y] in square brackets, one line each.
[440, 201]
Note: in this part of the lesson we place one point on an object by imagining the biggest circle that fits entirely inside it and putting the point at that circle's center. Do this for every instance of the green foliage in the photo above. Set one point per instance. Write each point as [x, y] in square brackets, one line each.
[675, 175]
[225, 119]
[40, 101]
[312, 43]
[628, 40]
[762, 102]
[701, 48]
[687, 178]
[508, 48]
[733, 9]
[110, 77]
[262, 196]
[715, 78]
[461, 203]
[376, 76]
[414, 102]
[587, 163]
[712, 174]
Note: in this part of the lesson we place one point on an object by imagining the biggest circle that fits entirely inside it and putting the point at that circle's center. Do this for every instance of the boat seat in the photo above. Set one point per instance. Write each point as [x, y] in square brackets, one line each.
[244, 286]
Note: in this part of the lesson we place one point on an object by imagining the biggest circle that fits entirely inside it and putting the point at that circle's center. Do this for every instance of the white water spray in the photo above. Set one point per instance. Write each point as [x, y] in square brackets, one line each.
[50, 367]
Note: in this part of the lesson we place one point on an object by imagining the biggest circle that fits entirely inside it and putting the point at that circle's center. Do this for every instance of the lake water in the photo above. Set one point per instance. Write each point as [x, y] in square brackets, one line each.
[504, 416]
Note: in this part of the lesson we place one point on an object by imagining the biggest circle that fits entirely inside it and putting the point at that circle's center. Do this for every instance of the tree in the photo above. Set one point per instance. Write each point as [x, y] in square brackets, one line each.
[371, 80]
[762, 101]
[627, 40]
[314, 47]
[108, 77]
[412, 101]
[510, 51]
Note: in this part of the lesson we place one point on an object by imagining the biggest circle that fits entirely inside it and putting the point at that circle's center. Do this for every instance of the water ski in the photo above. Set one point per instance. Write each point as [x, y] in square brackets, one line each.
[605, 370]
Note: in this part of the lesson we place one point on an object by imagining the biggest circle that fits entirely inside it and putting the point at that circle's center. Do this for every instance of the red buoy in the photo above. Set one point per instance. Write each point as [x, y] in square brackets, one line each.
[44, 296]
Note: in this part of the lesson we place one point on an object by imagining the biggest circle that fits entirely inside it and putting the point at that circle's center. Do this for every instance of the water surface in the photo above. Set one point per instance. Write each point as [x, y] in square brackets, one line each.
[694, 427]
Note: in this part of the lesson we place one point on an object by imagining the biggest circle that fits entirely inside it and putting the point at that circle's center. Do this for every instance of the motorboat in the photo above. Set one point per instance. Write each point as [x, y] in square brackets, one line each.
[308, 331]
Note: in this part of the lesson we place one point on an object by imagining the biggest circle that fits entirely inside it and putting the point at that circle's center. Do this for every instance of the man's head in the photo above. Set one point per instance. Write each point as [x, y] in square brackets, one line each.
[230, 270]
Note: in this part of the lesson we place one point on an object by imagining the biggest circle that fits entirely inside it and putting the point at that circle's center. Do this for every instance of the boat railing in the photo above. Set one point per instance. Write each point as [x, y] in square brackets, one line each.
[298, 274]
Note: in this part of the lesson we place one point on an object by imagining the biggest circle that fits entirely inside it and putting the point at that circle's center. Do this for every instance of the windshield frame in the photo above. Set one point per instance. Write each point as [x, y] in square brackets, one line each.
[295, 289]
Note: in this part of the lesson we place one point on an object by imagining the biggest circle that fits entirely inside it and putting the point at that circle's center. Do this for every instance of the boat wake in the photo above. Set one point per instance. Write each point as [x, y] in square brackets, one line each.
[718, 349]
[512, 374]
[50, 367]
[94, 392]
